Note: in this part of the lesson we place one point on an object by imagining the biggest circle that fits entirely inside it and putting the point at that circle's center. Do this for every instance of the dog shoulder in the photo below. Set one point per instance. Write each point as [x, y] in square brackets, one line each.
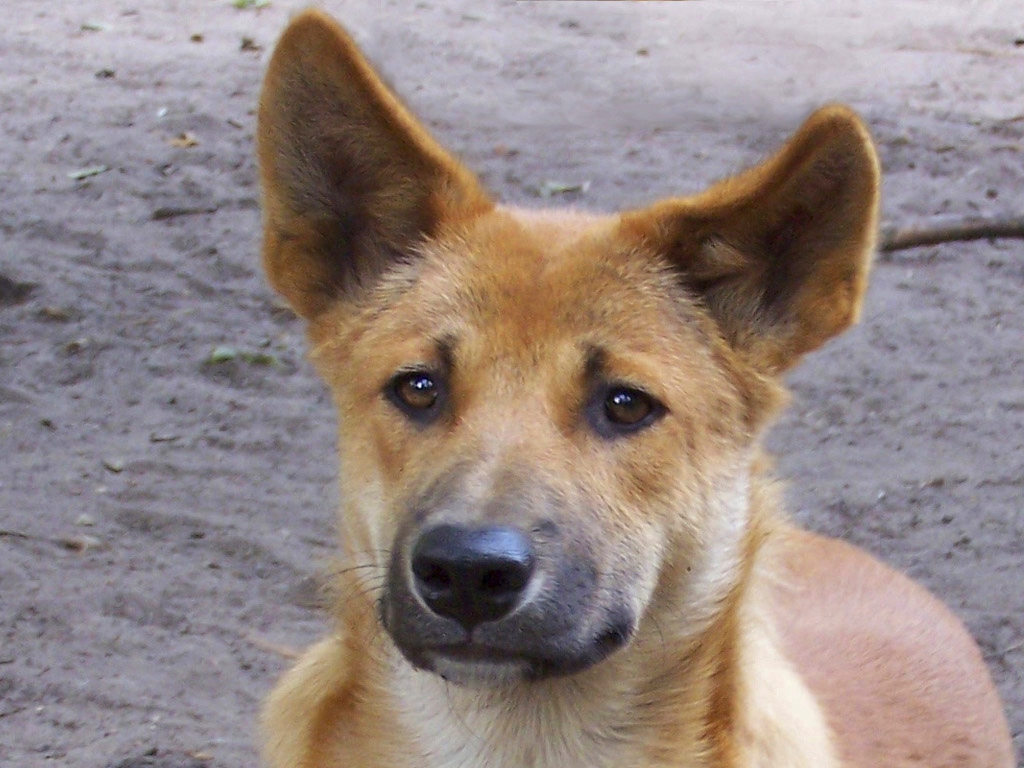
[863, 633]
[327, 710]
[781, 721]
[295, 713]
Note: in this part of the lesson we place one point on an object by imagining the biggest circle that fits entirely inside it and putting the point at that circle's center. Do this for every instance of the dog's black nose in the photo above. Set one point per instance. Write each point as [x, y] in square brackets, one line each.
[472, 575]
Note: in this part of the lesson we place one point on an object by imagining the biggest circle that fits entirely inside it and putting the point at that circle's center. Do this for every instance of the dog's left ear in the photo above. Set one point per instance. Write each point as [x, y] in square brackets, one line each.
[352, 182]
[779, 255]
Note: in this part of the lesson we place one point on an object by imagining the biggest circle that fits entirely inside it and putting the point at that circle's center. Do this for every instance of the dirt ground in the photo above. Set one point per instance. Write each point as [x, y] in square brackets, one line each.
[166, 455]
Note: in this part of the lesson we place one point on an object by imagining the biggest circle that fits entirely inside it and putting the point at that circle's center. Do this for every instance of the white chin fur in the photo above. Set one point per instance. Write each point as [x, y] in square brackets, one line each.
[478, 674]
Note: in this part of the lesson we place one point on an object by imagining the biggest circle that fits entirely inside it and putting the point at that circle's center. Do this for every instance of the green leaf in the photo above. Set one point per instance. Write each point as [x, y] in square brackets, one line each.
[85, 173]
[223, 354]
[552, 188]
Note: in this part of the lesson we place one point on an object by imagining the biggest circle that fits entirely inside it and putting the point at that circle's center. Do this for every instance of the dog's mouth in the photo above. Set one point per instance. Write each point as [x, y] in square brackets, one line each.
[486, 603]
[528, 658]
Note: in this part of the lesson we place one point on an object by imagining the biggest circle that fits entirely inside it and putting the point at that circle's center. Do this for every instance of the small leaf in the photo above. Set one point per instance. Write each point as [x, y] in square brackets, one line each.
[114, 465]
[85, 173]
[80, 543]
[56, 314]
[259, 358]
[184, 140]
[222, 354]
[77, 345]
[552, 188]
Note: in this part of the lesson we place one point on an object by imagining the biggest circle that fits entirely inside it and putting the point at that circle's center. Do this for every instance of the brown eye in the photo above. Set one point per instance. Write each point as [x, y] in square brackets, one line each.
[418, 394]
[416, 390]
[628, 407]
[617, 411]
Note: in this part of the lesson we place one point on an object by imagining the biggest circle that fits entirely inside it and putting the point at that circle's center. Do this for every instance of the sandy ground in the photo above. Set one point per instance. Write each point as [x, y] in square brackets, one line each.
[164, 518]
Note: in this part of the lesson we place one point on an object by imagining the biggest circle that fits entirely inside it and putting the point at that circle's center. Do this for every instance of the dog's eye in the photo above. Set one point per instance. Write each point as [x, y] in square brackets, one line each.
[417, 393]
[416, 390]
[627, 407]
[620, 410]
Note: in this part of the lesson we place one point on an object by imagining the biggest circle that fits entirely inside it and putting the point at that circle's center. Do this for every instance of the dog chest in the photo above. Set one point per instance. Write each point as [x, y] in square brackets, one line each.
[457, 727]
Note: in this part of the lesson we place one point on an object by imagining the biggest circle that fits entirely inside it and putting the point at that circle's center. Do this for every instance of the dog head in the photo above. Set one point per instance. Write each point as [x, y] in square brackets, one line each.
[546, 418]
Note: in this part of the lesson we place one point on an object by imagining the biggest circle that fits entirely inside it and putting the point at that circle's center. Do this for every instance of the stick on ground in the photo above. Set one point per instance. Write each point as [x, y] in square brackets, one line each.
[902, 238]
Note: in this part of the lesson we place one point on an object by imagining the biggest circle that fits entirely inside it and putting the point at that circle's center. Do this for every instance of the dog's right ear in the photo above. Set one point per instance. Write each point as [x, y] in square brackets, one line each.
[351, 181]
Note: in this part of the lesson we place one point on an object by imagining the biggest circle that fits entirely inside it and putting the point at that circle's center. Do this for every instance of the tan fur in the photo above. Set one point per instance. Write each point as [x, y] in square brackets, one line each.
[749, 643]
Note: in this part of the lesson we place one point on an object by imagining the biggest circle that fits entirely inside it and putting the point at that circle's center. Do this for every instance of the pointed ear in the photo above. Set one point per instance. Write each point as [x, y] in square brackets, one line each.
[779, 255]
[351, 181]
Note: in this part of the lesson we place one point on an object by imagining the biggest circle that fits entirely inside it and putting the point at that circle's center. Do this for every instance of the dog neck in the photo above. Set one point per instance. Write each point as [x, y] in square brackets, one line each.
[605, 716]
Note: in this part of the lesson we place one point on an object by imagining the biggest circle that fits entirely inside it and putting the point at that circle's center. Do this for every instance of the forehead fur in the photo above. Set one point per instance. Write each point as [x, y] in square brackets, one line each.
[524, 280]
[530, 293]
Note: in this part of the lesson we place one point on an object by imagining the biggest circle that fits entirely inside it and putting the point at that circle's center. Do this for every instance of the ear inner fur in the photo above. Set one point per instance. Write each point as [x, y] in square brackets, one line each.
[352, 182]
[780, 254]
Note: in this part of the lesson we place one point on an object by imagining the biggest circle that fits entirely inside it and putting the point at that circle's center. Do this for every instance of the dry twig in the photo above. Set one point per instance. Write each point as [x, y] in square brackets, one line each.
[901, 238]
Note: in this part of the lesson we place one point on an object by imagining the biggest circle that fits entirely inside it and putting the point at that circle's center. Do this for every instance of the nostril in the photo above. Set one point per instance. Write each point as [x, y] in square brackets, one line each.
[432, 575]
[504, 580]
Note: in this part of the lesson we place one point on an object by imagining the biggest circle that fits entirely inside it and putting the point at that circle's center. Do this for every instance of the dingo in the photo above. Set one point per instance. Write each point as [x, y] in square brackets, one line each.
[561, 547]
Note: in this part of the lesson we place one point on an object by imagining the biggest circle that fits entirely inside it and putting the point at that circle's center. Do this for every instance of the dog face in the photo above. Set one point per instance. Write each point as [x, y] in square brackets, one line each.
[524, 387]
[546, 419]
